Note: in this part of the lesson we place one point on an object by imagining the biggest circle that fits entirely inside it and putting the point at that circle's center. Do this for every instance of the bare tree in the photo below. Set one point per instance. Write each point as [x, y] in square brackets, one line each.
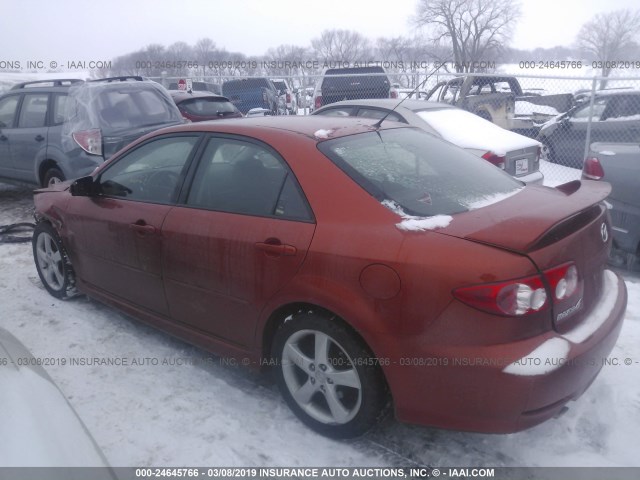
[474, 28]
[204, 50]
[344, 46]
[178, 56]
[609, 37]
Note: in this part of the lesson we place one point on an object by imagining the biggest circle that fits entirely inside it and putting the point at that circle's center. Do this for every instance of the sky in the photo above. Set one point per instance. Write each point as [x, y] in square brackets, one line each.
[33, 30]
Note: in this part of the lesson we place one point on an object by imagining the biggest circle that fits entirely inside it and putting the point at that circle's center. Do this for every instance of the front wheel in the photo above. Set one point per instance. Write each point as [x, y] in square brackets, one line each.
[52, 262]
[52, 176]
[327, 376]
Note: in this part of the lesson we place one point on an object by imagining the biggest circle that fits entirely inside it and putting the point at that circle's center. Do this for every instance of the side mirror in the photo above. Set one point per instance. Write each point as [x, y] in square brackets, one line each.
[84, 187]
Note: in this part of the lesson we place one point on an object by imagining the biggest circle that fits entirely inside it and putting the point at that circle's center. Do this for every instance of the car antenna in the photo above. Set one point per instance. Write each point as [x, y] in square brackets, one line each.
[429, 75]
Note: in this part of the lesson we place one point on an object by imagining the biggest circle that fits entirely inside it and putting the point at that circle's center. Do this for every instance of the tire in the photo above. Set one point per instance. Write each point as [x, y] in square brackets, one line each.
[547, 152]
[52, 262]
[340, 393]
[52, 176]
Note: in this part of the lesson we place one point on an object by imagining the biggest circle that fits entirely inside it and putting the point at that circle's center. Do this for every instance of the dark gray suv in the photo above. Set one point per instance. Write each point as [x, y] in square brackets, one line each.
[62, 129]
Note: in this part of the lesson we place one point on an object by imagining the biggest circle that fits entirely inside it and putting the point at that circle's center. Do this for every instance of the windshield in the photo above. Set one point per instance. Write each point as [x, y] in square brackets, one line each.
[245, 85]
[207, 107]
[119, 107]
[423, 174]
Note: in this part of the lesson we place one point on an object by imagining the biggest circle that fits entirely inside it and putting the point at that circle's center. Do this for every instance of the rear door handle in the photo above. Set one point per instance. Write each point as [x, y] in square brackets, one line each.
[39, 138]
[277, 249]
[143, 228]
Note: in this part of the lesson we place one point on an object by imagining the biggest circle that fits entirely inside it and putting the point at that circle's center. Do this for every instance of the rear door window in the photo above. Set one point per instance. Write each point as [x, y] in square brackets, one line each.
[247, 178]
[33, 112]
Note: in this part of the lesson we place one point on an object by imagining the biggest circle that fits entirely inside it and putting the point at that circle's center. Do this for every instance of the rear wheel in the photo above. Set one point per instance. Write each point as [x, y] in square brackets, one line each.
[327, 376]
[52, 262]
[52, 176]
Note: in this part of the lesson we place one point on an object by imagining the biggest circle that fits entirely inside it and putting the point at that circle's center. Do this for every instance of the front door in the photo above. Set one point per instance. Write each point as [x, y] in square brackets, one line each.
[116, 235]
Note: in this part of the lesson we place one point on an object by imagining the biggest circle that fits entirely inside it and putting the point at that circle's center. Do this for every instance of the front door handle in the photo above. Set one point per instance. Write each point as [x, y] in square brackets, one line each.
[143, 228]
[277, 249]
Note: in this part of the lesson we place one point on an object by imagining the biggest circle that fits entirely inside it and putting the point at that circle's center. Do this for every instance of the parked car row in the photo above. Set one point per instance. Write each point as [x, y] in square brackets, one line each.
[55, 130]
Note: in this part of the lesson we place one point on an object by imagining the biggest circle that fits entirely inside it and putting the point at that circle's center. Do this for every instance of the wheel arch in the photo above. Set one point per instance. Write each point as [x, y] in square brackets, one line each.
[44, 166]
[288, 311]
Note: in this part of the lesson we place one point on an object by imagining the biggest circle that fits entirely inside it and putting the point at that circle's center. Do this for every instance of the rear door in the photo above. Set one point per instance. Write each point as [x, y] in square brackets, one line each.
[240, 234]
[8, 112]
[116, 236]
[29, 139]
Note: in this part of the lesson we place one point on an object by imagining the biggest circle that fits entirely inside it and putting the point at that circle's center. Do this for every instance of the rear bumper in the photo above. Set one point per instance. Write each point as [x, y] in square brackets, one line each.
[509, 387]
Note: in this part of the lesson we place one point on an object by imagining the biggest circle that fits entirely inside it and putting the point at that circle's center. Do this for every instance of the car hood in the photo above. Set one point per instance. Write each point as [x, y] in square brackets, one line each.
[531, 219]
[56, 187]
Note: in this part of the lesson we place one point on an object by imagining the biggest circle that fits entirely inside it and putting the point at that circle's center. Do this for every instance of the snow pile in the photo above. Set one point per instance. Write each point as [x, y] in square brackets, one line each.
[411, 223]
[599, 314]
[322, 133]
[549, 356]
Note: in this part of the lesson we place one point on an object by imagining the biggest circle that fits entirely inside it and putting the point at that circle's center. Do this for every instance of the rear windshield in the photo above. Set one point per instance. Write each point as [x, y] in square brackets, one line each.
[279, 85]
[425, 175]
[245, 85]
[207, 107]
[118, 107]
[355, 78]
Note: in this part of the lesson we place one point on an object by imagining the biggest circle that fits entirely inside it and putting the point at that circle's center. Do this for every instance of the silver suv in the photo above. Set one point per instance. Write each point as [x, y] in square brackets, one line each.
[55, 130]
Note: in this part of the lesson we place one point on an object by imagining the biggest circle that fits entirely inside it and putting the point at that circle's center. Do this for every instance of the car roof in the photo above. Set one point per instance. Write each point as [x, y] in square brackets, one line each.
[180, 95]
[391, 103]
[316, 127]
[52, 84]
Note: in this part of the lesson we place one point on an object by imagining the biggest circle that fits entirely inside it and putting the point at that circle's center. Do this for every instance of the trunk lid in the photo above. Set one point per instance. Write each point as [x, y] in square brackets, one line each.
[569, 223]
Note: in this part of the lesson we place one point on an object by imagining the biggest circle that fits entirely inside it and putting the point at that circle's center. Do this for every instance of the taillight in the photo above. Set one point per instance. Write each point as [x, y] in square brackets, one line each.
[497, 160]
[511, 298]
[89, 140]
[318, 101]
[393, 93]
[563, 281]
[592, 169]
[523, 296]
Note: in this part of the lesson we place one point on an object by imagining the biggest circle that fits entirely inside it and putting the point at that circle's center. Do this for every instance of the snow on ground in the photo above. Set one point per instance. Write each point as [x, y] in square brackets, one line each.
[198, 411]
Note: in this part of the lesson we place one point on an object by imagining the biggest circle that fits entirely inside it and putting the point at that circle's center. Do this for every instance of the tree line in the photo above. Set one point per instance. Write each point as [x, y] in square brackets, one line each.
[458, 35]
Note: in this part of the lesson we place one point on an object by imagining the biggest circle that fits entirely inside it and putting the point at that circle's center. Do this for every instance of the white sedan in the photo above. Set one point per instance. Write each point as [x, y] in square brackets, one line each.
[514, 153]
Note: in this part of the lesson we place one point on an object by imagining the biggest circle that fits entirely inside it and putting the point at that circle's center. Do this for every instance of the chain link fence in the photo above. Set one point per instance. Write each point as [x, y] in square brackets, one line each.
[565, 114]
